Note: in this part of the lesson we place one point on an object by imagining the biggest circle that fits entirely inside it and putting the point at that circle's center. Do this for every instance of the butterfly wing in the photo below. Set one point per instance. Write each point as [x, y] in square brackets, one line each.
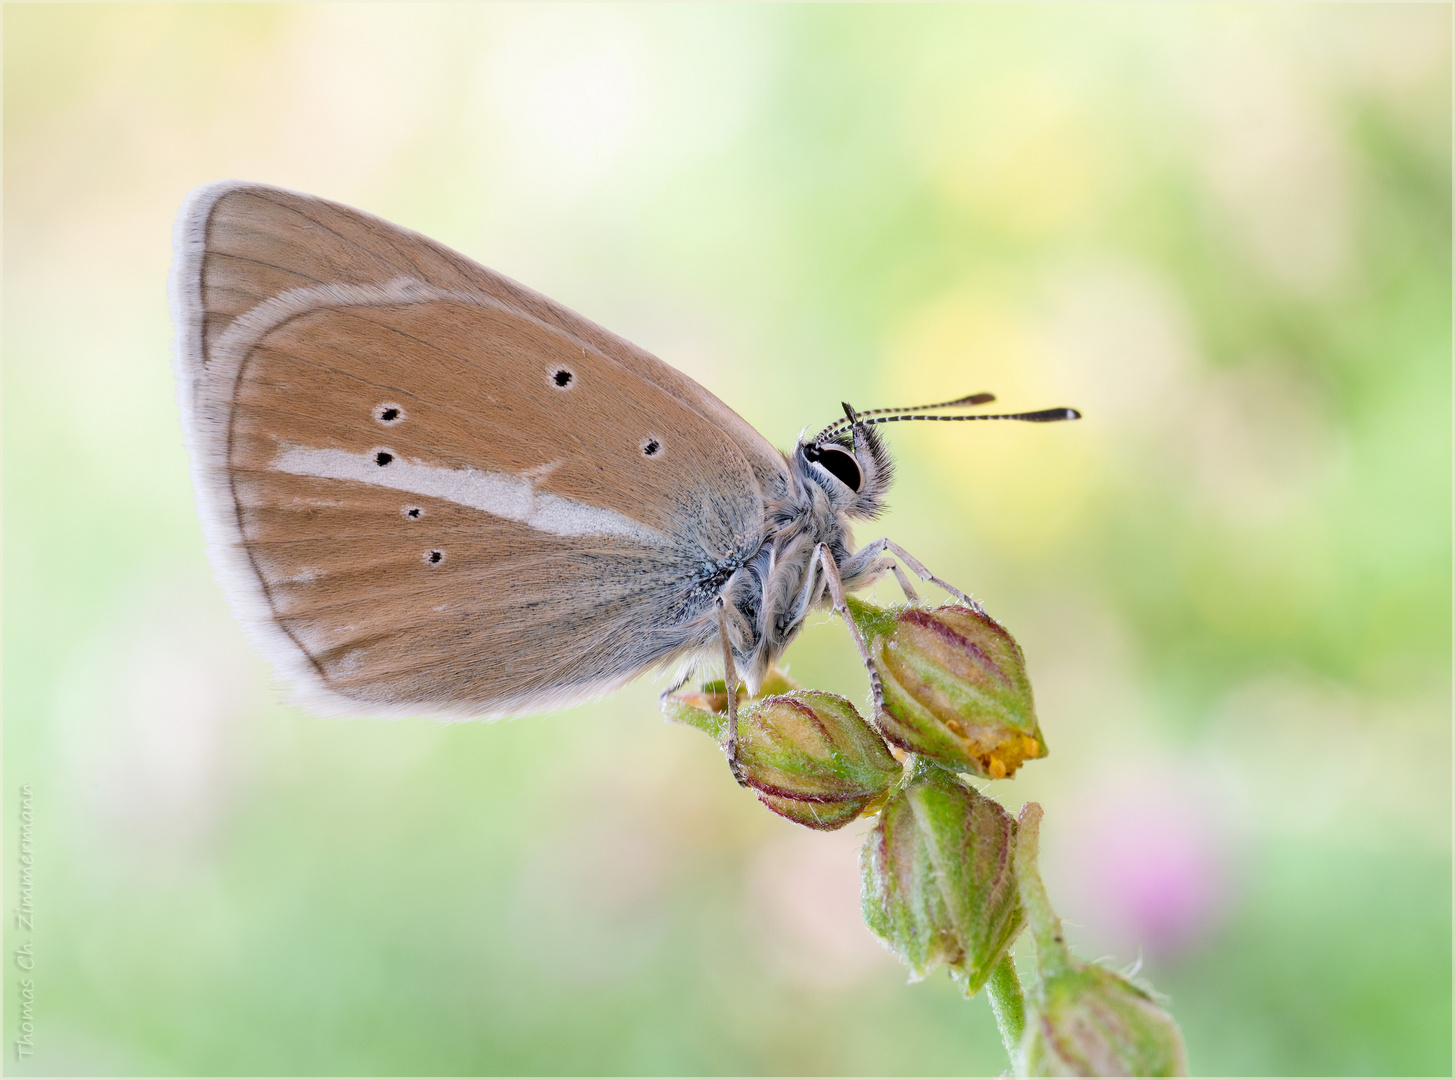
[429, 489]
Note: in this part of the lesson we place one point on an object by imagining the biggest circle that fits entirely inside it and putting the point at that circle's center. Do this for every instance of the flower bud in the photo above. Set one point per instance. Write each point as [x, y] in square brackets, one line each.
[807, 754]
[1088, 1021]
[1081, 1019]
[938, 887]
[704, 708]
[955, 687]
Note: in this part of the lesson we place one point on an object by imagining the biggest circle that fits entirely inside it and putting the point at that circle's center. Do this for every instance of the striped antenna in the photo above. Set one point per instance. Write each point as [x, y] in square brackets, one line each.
[967, 400]
[962, 402]
[889, 416]
[1040, 416]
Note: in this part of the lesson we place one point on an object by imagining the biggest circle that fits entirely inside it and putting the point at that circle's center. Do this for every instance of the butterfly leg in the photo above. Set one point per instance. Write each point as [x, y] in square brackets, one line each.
[825, 558]
[904, 585]
[872, 550]
[730, 681]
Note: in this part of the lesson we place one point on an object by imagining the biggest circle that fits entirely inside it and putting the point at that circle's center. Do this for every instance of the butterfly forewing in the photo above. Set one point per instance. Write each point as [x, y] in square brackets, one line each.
[243, 244]
[429, 489]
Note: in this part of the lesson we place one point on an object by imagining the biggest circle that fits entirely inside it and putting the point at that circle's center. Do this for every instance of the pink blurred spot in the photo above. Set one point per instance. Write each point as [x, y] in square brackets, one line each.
[1141, 861]
[805, 892]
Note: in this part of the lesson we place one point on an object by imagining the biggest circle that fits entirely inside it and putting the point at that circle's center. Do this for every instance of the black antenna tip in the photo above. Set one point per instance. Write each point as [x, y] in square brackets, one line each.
[1046, 416]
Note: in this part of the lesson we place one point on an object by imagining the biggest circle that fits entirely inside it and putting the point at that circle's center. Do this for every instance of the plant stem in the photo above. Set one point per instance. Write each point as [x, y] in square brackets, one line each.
[1009, 1005]
[1052, 956]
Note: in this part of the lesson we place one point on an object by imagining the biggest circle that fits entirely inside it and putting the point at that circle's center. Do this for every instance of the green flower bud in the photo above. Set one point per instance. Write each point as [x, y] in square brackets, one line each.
[706, 707]
[808, 755]
[1088, 1021]
[938, 886]
[1081, 1019]
[955, 687]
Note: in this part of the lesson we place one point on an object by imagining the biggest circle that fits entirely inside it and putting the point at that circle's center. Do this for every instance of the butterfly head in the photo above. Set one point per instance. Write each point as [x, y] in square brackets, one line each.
[850, 462]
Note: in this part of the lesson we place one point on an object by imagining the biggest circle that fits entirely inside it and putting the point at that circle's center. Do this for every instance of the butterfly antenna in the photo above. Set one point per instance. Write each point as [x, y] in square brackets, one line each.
[960, 402]
[1040, 416]
[852, 419]
[888, 416]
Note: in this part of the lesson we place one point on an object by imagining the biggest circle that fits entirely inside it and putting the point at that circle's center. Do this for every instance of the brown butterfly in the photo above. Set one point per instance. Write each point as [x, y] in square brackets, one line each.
[429, 490]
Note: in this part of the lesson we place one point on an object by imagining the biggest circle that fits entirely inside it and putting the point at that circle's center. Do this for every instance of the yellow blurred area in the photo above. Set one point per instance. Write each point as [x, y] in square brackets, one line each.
[1026, 155]
[1023, 487]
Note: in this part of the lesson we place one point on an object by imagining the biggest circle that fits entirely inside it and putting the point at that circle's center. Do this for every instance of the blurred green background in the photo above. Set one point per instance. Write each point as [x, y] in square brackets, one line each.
[1223, 232]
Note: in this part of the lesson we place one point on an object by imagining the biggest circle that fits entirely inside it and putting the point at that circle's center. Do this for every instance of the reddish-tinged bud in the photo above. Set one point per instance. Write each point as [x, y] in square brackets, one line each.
[938, 885]
[706, 707]
[1088, 1021]
[807, 754]
[1081, 1019]
[955, 687]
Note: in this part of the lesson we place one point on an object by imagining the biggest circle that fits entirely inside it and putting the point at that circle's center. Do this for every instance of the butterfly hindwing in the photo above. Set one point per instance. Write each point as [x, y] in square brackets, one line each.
[431, 490]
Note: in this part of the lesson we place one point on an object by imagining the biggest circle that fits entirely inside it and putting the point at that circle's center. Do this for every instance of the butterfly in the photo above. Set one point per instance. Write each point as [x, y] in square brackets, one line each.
[427, 489]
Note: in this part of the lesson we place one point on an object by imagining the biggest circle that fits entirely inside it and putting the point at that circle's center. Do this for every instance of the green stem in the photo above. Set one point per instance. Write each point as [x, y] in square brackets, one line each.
[1009, 1005]
[1052, 955]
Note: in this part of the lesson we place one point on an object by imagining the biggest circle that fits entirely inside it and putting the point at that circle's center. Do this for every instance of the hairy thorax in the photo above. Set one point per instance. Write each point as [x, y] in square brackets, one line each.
[770, 597]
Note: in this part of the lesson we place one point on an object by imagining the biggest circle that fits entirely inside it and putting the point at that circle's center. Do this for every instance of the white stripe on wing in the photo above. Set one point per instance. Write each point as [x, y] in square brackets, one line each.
[499, 494]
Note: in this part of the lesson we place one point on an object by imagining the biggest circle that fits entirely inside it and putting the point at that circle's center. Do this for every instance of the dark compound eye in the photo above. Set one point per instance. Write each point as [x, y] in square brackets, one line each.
[388, 413]
[433, 557]
[651, 447]
[382, 458]
[563, 378]
[840, 464]
[413, 513]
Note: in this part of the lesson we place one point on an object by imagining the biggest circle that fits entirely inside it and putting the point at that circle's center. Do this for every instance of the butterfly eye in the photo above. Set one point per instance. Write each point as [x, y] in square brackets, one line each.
[651, 448]
[840, 464]
[388, 414]
[563, 377]
[382, 458]
[434, 556]
[413, 513]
